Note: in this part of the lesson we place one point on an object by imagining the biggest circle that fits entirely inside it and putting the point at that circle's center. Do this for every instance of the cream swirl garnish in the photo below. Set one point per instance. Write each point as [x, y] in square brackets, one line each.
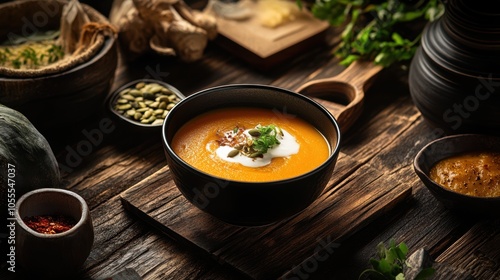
[256, 147]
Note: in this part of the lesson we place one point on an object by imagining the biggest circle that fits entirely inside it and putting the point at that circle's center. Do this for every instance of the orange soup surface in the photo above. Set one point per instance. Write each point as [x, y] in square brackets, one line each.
[196, 143]
[475, 174]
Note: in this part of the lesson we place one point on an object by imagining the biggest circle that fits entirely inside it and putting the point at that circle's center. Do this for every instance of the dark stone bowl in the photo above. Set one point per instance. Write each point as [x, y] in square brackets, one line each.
[129, 125]
[249, 203]
[449, 146]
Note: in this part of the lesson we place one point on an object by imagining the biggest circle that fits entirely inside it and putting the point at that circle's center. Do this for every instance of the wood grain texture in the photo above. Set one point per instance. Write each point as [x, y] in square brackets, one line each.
[127, 274]
[379, 148]
[348, 88]
[354, 196]
[477, 251]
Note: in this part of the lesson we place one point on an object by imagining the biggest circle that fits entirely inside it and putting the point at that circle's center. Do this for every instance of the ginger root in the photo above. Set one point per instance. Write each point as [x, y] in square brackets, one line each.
[168, 27]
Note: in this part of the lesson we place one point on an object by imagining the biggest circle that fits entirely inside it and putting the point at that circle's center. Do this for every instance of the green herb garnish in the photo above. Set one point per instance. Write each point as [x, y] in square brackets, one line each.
[391, 264]
[266, 139]
[379, 31]
[262, 139]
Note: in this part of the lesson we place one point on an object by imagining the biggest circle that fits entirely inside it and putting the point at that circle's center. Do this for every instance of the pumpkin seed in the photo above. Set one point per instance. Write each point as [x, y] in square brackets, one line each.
[150, 119]
[135, 92]
[125, 91]
[154, 105]
[147, 114]
[166, 90]
[233, 153]
[172, 98]
[157, 122]
[124, 107]
[163, 98]
[147, 103]
[128, 97]
[256, 154]
[158, 112]
[131, 112]
[155, 89]
[254, 132]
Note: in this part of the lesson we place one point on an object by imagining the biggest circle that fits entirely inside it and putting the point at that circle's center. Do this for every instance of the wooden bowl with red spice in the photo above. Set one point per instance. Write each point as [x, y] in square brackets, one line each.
[54, 233]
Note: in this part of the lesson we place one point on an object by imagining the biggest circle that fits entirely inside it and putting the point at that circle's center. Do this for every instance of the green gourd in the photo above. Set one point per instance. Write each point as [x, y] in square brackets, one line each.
[25, 157]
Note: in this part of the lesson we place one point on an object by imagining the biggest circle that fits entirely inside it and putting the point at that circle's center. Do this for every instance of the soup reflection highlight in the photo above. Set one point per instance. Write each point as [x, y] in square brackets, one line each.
[250, 144]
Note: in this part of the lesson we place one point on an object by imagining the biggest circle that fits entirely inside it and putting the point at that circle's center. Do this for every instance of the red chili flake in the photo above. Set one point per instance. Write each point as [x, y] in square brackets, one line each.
[49, 224]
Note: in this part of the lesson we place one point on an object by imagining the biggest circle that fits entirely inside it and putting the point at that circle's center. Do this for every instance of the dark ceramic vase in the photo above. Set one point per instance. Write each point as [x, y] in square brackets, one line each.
[454, 76]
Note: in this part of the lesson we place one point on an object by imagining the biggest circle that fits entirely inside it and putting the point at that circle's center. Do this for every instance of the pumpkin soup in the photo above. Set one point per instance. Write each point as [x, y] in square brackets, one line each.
[475, 174]
[250, 144]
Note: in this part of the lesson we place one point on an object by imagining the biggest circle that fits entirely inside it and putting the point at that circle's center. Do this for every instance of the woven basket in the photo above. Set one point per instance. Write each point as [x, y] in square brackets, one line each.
[75, 88]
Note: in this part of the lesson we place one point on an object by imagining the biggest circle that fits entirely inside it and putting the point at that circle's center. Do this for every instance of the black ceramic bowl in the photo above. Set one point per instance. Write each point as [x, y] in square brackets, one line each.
[131, 123]
[448, 146]
[250, 203]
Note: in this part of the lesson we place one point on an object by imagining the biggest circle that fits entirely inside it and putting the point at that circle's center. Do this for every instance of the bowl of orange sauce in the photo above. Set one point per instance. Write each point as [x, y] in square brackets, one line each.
[250, 154]
[463, 172]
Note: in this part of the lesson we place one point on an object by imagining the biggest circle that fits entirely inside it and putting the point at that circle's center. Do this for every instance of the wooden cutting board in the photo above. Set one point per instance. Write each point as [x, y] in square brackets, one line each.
[266, 47]
[356, 195]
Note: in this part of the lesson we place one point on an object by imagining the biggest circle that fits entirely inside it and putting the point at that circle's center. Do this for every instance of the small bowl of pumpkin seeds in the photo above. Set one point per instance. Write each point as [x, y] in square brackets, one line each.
[144, 103]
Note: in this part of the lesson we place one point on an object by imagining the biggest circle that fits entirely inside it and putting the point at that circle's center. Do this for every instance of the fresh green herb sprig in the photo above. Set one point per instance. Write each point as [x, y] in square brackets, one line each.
[267, 137]
[391, 264]
[376, 30]
[263, 138]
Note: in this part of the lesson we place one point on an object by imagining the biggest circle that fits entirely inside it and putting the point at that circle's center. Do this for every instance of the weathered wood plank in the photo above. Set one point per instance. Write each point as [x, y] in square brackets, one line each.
[354, 196]
[126, 274]
[424, 222]
[477, 251]
[102, 174]
[122, 241]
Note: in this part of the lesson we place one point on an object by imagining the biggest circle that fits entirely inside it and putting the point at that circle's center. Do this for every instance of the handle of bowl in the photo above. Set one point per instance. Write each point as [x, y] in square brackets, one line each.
[350, 85]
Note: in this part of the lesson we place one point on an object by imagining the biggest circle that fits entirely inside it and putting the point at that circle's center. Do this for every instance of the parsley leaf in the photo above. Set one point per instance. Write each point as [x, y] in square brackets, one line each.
[377, 30]
[267, 138]
[390, 264]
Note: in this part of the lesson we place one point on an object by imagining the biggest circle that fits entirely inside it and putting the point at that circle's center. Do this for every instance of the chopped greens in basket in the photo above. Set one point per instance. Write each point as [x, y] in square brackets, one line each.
[32, 52]
[379, 31]
[391, 264]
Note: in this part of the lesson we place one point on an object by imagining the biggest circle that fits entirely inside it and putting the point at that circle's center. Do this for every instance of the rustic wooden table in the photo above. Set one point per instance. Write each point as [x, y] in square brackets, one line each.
[380, 148]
